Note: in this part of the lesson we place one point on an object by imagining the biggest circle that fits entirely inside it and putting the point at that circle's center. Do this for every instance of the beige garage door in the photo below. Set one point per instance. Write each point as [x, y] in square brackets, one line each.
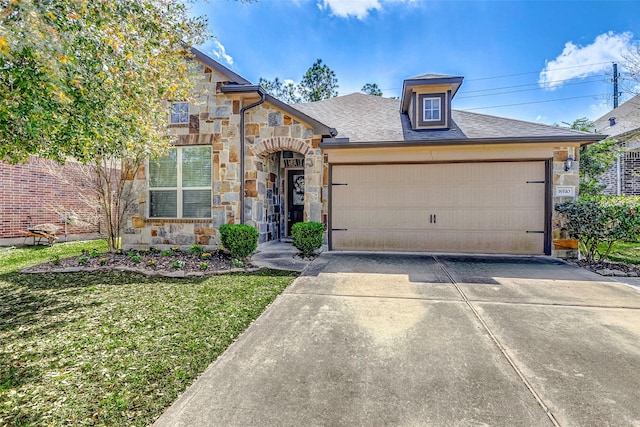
[458, 207]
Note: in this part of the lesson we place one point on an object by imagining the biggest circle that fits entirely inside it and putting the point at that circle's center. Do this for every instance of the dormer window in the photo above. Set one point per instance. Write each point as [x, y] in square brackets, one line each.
[431, 109]
[433, 112]
[426, 100]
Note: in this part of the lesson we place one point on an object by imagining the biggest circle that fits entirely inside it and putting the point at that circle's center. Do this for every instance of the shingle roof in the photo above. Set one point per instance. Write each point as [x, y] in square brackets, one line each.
[627, 118]
[367, 118]
[430, 76]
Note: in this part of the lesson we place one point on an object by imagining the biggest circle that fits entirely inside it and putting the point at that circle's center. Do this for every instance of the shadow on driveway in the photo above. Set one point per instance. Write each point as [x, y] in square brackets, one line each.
[366, 339]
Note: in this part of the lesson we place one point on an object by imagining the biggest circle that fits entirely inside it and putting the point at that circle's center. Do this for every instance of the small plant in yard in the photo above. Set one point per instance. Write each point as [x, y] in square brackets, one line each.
[203, 266]
[175, 248]
[84, 251]
[205, 255]
[102, 261]
[55, 260]
[307, 236]
[167, 252]
[239, 239]
[119, 251]
[144, 251]
[134, 257]
[177, 264]
[237, 263]
[152, 263]
[94, 253]
[83, 260]
[196, 249]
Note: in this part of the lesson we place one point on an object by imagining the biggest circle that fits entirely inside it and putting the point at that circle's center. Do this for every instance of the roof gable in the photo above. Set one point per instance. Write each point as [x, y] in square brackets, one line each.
[212, 63]
[365, 118]
[626, 119]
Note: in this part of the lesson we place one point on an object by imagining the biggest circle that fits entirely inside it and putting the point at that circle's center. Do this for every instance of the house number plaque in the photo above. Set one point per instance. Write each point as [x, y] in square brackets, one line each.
[293, 163]
[565, 191]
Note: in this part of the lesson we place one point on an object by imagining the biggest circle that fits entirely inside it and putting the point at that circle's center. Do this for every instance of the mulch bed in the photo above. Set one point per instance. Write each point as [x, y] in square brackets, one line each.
[151, 263]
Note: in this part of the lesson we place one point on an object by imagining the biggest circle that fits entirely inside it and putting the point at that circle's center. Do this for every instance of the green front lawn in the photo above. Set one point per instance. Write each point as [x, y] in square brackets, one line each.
[112, 348]
[627, 252]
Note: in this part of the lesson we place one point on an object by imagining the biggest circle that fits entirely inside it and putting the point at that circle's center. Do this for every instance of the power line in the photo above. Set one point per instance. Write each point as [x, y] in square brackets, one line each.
[534, 102]
[516, 91]
[534, 84]
[537, 72]
[529, 72]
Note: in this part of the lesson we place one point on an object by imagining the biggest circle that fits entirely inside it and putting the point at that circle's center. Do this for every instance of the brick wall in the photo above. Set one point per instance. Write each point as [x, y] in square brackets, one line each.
[30, 190]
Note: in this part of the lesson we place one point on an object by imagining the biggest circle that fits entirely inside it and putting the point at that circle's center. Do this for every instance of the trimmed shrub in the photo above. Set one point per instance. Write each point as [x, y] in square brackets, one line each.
[239, 239]
[307, 236]
[599, 222]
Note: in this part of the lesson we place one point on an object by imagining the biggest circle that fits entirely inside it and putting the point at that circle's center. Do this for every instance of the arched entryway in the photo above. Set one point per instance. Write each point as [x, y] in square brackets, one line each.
[284, 186]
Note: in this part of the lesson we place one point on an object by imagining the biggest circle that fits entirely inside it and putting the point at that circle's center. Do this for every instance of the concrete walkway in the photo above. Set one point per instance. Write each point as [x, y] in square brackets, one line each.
[414, 340]
[279, 255]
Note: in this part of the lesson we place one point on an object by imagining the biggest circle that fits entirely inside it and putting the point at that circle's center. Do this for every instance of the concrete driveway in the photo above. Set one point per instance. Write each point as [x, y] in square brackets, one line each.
[415, 340]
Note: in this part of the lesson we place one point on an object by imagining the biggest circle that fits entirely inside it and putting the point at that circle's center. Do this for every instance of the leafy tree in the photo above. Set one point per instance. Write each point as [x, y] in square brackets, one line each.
[89, 79]
[86, 78]
[371, 89]
[318, 83]
[284, 91]
[595, 159]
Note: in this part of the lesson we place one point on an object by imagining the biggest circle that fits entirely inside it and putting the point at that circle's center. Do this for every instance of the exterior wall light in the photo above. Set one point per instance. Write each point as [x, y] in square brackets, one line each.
[568, 163]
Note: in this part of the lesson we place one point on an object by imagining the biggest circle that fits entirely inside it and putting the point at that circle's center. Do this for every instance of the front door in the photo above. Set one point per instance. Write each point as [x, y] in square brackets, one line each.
[295, 197]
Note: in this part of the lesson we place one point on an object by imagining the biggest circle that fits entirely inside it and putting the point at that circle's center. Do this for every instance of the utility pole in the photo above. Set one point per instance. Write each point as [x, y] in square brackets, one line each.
[615, 85]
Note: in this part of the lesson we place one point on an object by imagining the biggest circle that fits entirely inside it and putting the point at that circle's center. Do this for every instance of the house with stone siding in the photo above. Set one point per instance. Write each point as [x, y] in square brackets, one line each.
[381, 174]
[623, 124]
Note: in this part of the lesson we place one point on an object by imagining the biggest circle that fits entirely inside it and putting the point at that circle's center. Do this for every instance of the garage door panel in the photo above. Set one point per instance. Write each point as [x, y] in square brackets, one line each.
[441, 241]
[478, 207]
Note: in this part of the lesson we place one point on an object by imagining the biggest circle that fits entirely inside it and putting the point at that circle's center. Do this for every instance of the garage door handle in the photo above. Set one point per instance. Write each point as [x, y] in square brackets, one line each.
[539, 232]
[339, 229]
[432, 219]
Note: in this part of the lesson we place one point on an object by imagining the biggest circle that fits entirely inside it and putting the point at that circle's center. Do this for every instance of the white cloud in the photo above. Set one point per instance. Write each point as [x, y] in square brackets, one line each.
[576, 62]
[358, 8]
[221, 53]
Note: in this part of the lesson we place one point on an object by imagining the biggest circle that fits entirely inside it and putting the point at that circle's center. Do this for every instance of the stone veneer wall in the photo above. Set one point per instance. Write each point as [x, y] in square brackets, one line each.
[215, 120]
[562, 245]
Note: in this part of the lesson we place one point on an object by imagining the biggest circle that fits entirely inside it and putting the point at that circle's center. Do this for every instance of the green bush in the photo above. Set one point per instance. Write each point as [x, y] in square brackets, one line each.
[239, 239]
[307, 236]
[600, 221]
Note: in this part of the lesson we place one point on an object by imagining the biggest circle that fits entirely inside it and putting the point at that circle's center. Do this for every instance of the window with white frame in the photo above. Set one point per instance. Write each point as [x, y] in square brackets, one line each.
[180, 184]
[179, 113]
[431, 109]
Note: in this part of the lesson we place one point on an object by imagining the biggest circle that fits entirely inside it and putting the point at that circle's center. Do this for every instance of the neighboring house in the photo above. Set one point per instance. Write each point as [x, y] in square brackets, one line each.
[381, 174]
[32, 193]
[623, 124]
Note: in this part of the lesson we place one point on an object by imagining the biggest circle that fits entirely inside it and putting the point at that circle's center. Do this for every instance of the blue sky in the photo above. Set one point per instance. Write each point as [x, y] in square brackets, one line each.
[512, 54]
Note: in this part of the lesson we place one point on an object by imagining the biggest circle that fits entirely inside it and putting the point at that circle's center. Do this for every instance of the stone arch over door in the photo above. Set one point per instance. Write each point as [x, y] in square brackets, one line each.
[313, 169]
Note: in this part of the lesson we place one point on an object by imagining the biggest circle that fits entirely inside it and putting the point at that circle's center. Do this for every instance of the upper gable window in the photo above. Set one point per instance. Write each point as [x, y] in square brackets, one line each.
[431, 111]
[179, 113]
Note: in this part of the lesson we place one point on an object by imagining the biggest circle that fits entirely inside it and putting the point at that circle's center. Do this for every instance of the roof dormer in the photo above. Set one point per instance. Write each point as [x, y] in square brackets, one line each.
[427, 99]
